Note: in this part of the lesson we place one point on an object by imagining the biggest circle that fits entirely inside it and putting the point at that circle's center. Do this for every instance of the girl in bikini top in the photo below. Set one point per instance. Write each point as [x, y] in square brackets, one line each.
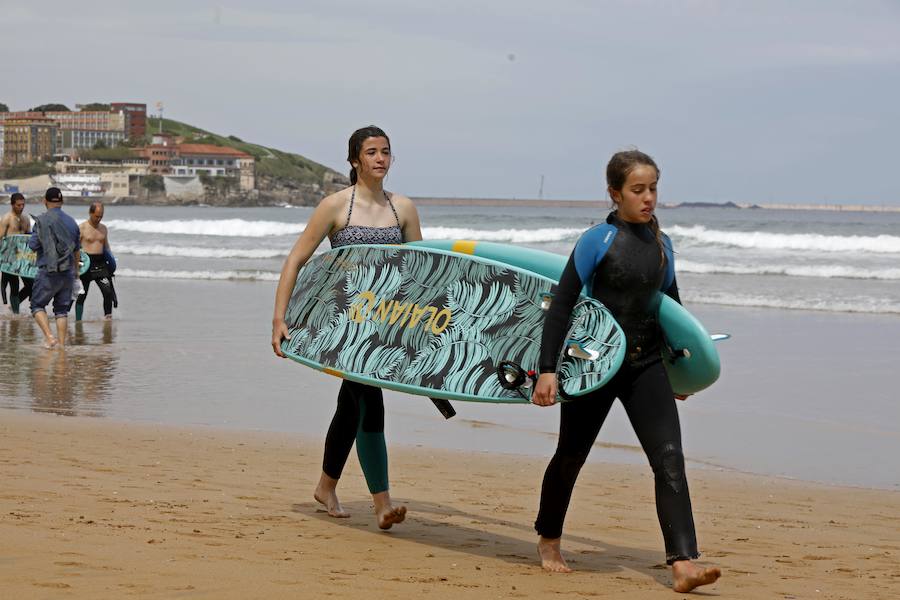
[364, 234]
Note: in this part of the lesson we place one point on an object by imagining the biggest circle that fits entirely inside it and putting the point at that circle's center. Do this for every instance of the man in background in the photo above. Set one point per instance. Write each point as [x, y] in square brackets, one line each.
[95, 241]
[57, 241]
[15, 222]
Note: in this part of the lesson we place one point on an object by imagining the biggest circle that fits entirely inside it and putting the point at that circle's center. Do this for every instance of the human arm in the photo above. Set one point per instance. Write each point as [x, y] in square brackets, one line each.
[409, 218]
[34, 242]
[26, 224]
[672, 291]
[556, 322]
[107, 252]
[320, 224]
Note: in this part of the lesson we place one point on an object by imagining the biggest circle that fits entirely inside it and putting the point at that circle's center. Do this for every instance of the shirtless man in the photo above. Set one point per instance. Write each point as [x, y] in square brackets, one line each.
[95, 242]
[15, 222]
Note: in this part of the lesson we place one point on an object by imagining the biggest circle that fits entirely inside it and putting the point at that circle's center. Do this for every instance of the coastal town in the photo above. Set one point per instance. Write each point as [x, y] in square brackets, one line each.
[109, 151]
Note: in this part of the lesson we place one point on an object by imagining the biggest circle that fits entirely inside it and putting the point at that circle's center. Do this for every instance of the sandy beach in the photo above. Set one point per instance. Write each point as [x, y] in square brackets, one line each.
[105, 509]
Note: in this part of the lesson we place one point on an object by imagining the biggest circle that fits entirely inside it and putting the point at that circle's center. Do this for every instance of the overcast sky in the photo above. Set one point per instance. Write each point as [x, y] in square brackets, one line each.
[752, 101]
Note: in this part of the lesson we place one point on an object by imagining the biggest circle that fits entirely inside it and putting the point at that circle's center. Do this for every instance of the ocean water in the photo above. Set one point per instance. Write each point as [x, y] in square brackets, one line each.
[808, 388]
[810, 260]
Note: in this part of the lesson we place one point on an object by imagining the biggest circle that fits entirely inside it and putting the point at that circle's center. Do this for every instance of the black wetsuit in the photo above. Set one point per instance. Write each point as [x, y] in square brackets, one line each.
[99, 272]
[623, 266]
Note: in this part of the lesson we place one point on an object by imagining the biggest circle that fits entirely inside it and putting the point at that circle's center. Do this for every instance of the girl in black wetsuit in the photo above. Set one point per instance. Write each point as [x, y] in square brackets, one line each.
[363, 213]
[626, 262]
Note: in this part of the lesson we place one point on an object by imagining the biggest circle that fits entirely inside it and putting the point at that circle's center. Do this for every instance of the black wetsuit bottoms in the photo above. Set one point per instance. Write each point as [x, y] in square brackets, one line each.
[647, 396]
[360, 417]
[98, 272]
[16, 296]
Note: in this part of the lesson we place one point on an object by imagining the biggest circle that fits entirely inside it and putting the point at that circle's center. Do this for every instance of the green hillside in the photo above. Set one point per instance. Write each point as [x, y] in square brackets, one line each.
[270, 163]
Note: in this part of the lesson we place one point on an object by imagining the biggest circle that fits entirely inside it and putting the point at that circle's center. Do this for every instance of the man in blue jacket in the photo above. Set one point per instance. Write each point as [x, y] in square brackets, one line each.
[57, 241]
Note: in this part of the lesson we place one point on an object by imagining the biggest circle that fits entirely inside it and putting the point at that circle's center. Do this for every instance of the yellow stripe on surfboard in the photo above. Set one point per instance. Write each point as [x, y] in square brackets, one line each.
[334, 372]
[464, 246]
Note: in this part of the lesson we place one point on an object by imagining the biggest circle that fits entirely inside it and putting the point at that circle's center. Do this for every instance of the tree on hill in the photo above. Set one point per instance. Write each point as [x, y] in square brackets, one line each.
[50, 108]
[96, 106]
[3, 107]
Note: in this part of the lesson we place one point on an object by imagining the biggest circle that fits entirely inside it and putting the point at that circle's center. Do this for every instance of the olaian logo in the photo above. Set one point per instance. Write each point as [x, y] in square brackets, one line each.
[608, 236]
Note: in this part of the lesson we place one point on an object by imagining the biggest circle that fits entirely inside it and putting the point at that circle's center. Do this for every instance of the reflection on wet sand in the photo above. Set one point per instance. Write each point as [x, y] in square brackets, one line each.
[76, 380]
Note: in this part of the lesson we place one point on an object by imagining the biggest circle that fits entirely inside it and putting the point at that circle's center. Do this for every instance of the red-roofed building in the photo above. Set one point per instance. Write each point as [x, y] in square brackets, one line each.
[161, 154]
[215, 161]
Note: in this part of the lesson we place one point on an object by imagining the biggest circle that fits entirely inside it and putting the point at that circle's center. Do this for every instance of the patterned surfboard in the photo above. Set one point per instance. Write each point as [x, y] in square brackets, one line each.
[690, 356]
[18, 259]
[438, 324]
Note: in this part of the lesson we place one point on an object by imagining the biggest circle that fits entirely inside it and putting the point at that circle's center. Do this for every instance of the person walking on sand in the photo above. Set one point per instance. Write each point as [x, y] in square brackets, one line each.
[363, 213]
[56, 240]
[95, 242]
[13, 223]
[625, 262]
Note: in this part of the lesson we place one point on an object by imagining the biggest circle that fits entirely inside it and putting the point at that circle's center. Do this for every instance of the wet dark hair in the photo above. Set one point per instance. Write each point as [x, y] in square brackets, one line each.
[16, 197]
[617, 170]
[356, 142]
[94, 206]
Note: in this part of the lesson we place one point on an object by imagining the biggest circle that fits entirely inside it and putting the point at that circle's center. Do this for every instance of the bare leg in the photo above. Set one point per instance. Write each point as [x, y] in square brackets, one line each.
[62, 327]
[551, 555]
[43, 322]
[326, 495]
[385, 512]
[687, 576]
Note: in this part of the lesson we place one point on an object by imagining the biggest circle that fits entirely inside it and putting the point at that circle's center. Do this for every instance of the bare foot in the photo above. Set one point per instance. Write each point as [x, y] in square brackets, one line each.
[687, 575]
[51, 343]
[388, 516]
[551, 556]
[328, 499]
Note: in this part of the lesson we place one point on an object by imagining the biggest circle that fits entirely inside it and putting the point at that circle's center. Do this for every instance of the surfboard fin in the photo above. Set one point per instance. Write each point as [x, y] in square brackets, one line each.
[445, 407]
[576, 350]
[718, 337]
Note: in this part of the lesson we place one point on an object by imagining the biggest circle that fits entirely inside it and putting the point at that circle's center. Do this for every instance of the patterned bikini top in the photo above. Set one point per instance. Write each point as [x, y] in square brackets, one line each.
[360, 234]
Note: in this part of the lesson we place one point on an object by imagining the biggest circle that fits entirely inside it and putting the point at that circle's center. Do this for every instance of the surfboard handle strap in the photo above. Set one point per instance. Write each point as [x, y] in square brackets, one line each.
[444, 407]
[514, 377]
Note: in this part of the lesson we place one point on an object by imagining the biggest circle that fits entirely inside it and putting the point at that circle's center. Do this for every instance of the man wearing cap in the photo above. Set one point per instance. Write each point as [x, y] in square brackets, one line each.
[15, 222]
[57, 241]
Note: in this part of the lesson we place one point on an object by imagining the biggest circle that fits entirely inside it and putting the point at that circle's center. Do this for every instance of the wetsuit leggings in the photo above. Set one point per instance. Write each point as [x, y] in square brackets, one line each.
[648, 400]
[15, 295]
[104, 282]
[359, 416]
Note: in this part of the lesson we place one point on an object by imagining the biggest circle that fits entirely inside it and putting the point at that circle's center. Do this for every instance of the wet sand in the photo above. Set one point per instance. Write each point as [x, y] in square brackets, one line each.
[99, 508]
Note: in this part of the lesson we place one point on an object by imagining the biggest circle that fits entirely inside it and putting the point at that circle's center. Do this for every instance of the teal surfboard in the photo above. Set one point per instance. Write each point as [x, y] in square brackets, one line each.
[690, 356]
[440, 324]
[17, 258]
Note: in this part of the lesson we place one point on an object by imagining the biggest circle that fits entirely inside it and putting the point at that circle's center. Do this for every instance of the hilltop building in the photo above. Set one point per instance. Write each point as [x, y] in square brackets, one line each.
[85, 128]
[135, 118]
[28, 139]
[215, 161]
